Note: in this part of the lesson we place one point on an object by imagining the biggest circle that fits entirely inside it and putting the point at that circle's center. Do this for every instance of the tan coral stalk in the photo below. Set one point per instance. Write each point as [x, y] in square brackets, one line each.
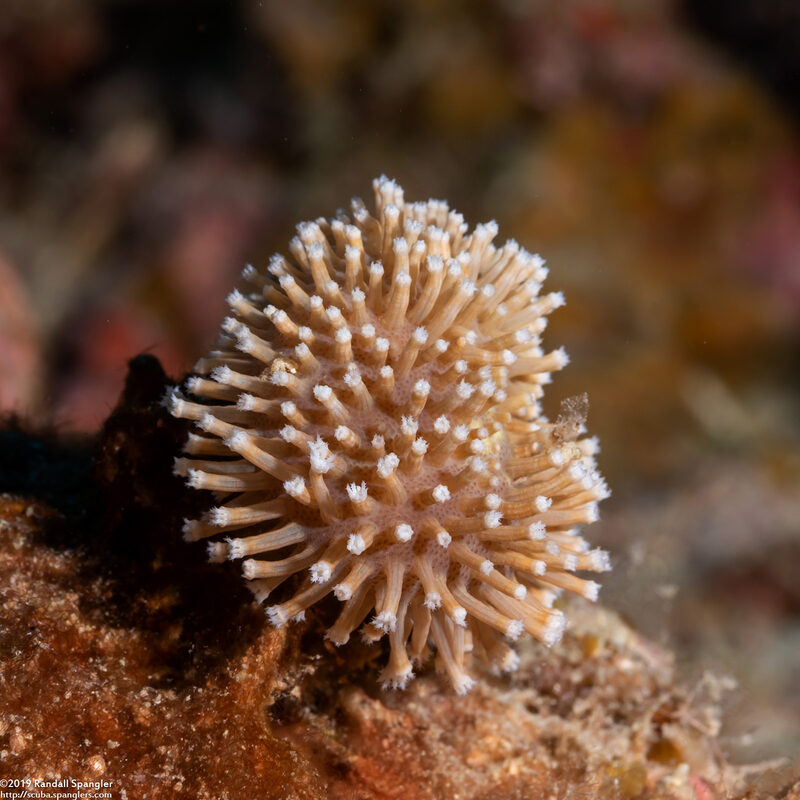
[369, 418]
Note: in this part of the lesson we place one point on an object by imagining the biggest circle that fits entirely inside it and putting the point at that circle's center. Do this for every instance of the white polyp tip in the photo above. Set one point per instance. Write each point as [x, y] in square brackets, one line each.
[288, 408]
[510, 663]
[461, 367]
[382, 344]
[536, 531]
[386, 372]
[592, 514]
[402, 279]
[387, 465]
[334, 315]
[376, 269]
[443, 539]
[302, 351]
[245, 341]
[277, 616]
[488, 290]
[408, 426]
[432, 601]
[341, 433]
[601, 561]
[556, 457]
[357, 492]
[288, 433]
[514, 629]
[368, 331]
[192, 384]
[509, 357]
[171, 398]
[552, 548]
[377, 441]
[441, 494]
[555, 628]
[478, 465]
[249, 569]
[358, 295]
[487, 388]
[342, 591]
[249, 271]
[441, 425]
[245, 402]
[476, 447]
[231, 325]
[464, 390]
[221, 516]
[419, 447]
[320, 572]
[403, 532]
[235, 549]
[279, 378]
[577, 472]
[441, 346]
[206, 422]
[492, 501]
[352, 376]
[421, 388]
[194, 478]
[492, 519]
[460, 433]
[396, 681]
[323, 393]
[591, 590]
[435, 263]
[222, 374]
[304, 333]
[520, 591]
[295, 487]
[561, 358]
[542, 503]
[385, 621]
[343, 335]
[486, 567]
[471, 337]
[557, 299]
[570, 562]
[532, 287]
[400, 245]
[315, 301]
[286, 281]
[459, 616]
[356, 544]
[320, 456]
[420, 336]
[238, 440]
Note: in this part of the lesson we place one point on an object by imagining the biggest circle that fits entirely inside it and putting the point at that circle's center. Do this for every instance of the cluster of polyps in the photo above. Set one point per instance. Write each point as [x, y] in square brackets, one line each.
[370, 418]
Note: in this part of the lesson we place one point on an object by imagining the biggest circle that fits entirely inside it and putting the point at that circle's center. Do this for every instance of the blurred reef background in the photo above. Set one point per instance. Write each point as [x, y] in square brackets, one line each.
[648, 150]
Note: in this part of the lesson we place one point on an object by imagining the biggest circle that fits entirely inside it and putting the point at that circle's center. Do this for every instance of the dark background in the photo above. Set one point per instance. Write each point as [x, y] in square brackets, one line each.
[649, 150]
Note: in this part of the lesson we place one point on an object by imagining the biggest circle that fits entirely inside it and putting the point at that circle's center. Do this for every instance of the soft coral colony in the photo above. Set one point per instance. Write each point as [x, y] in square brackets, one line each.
[370, 419]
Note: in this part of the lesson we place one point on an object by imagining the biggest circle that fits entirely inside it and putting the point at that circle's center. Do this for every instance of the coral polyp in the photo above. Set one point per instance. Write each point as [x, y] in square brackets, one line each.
[370, 421]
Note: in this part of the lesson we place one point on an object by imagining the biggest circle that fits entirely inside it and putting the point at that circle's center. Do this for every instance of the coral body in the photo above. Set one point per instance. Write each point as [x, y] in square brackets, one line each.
[370, 418]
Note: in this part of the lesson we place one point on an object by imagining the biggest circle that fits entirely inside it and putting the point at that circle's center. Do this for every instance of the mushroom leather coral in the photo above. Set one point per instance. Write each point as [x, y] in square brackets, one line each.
[370, 419]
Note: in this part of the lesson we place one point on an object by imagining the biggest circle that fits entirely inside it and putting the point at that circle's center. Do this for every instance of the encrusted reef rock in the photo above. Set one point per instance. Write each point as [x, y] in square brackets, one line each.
[125, 658]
